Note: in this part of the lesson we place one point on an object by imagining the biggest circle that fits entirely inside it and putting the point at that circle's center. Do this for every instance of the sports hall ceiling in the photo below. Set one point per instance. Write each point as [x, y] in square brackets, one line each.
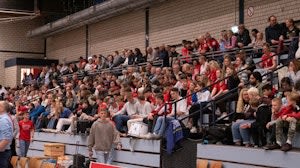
[50, 10]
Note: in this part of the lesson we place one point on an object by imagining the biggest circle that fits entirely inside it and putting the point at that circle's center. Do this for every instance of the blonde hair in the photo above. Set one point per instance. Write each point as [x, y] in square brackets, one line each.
[253, 90]
[293, 96]
[240, 104]
[214, 64]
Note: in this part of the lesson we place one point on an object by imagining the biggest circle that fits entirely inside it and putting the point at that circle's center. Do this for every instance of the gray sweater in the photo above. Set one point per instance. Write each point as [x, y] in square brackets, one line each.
[102, 136]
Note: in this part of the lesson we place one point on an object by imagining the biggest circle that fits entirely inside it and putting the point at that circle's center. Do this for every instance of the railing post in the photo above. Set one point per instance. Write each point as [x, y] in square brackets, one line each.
[201, 117]
[214, 112]
[165, 112]
[175, 110]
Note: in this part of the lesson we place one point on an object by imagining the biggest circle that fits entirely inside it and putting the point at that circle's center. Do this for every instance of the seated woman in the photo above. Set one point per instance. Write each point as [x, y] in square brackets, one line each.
[240, 131]
[232, 83]
[294, 71]
[240, 69]
[242, 104]
[269, 60]
[218, 90]
[64, 118]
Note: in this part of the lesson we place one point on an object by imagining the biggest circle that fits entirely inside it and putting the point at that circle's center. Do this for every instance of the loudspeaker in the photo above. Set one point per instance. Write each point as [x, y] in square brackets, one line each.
[78, 161]
[83, 125]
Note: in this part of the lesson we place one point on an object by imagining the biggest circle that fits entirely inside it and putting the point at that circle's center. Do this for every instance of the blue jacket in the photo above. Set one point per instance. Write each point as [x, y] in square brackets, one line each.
[173, 134]
[65, 113]
[37, 111]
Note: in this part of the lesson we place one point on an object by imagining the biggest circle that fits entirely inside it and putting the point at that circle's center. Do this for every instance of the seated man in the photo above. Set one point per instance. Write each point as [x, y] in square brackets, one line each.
[144, 108]
[287, 117]
[36, 110]
[86, 111]
[129, 111]
[158, 110]
[181, 111]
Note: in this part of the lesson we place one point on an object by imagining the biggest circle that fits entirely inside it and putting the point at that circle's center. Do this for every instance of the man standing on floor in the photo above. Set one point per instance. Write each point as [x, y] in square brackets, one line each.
[6, 135]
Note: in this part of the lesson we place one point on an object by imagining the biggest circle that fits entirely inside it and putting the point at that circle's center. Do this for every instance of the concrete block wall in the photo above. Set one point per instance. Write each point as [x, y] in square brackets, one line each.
[13, 38]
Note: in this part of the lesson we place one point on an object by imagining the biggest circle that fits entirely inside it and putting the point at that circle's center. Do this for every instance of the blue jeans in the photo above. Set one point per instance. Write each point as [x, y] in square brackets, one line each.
[121, 122]
[240, 134]
[5, 158]
[24, 146]
[104, 157]
[160, 125]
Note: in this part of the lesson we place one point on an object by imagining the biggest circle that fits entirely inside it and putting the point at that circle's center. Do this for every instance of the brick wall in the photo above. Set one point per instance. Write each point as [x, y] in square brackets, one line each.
[283, 9]
[170, 23]
[13, 38]
[124, 31]
[10, 74]
[176, 20]
[68, 46]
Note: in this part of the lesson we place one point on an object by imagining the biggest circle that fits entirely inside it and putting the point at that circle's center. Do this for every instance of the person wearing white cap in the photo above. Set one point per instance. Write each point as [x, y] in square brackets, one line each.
[89, 65]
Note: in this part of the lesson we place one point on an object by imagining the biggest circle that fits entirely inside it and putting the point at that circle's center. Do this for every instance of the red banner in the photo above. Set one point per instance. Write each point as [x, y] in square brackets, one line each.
[101, 165]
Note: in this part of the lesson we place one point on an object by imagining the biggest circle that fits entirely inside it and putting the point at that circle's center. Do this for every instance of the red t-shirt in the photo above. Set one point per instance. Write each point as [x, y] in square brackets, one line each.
[203, 47]
[185, 53]
[25, 128]
[213, 43]
[212, 75]
[267, 60]
[220, 86]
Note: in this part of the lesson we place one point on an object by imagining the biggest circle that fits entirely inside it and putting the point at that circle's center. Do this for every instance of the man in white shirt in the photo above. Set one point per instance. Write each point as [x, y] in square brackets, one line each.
[179, 110]
[144, 108]
[203, 97]
[129, 111]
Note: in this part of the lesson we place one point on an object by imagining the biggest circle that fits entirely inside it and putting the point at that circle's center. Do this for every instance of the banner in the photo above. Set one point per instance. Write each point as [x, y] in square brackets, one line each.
[102, 165]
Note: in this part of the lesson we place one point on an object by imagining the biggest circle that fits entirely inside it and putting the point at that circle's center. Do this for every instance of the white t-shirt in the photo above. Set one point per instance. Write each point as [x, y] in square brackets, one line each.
[297, 55]
[180, 106]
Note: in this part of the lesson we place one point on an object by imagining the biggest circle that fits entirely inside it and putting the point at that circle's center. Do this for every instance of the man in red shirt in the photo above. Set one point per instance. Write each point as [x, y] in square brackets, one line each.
[26, 134]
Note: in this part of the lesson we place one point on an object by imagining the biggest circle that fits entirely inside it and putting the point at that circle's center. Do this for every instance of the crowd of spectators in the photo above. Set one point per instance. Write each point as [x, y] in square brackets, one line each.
[139, 93]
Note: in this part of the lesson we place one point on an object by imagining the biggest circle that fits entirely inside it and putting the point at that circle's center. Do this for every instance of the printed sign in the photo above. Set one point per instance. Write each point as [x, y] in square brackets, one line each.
[102, 165]
[250, 11]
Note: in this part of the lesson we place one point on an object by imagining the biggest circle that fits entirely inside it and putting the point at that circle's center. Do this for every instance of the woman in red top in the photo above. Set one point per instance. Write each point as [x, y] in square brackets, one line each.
[220, 87]
[185, 51]
[196, 69]
[212, 71]
[269, 59]
[26, 134]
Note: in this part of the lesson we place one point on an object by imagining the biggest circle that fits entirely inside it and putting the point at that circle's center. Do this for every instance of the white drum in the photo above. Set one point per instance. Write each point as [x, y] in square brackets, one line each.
[138, 129]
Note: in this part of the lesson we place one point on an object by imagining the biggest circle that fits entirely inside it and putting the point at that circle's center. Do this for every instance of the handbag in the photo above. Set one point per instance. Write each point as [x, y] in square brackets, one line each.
[138, 129]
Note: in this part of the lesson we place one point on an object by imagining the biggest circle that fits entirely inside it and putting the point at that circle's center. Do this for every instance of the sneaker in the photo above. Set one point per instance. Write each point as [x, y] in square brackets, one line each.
[189, 125]
[156, 136]
[286, 147]
[249, 145]
[193, 130]
[148, 136]
[272, 147]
